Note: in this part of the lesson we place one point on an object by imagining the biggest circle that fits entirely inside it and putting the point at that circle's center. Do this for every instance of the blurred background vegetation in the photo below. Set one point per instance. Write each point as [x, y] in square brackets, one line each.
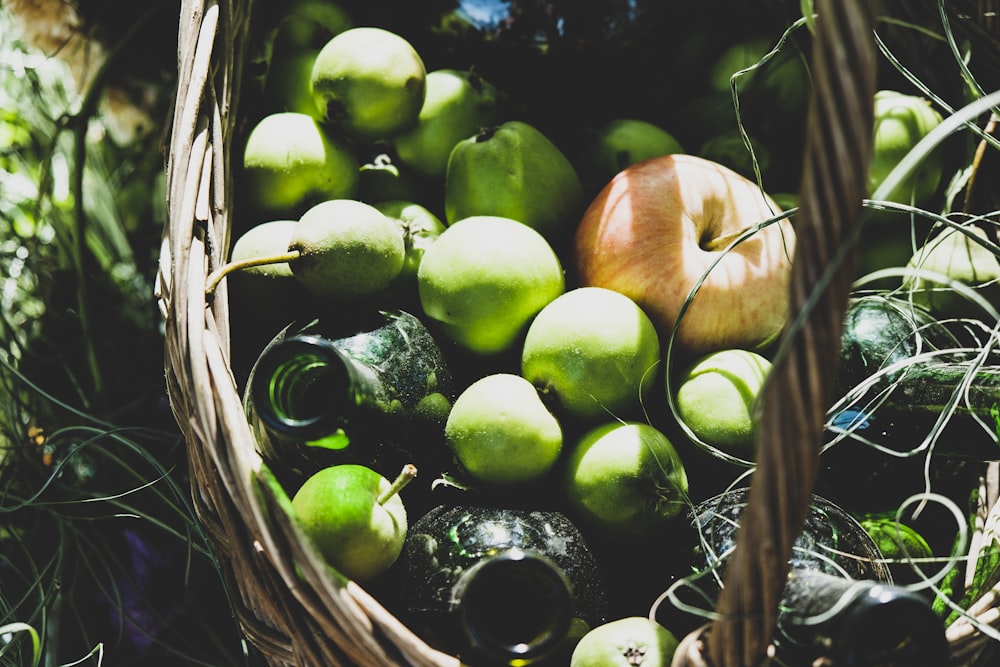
[101, 557]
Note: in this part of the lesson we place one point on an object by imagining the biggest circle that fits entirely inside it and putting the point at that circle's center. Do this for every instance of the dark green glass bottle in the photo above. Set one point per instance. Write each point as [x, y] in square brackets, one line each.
[840, 605]
[500, 586]
[371, 389]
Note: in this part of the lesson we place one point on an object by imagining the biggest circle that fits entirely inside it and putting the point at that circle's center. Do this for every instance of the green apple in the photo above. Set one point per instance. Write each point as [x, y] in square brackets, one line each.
[622, 142]
[513, 171]
[900, 122]
[355, 518]
[592, 353]
[382, 179]
[730, 149]
[626, 480]
[290, 162]
[501, 432]
[457, 105]
[420, 229]
[783, 80]
[962, 257]
[485, 278]
[347, 249]
[632, 641]
[369, 82]
[309, 24]
[716, 398]
[287, 87]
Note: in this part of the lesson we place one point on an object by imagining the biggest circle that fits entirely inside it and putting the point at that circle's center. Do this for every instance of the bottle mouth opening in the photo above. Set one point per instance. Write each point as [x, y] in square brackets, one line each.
[518, 604]
[299, 386]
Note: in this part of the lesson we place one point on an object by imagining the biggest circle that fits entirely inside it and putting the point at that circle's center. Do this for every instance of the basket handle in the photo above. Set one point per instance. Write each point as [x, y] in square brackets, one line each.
[795, 400]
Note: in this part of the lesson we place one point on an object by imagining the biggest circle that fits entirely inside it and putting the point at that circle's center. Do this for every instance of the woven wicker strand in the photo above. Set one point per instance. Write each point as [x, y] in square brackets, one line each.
[290, 608]
[795, 401]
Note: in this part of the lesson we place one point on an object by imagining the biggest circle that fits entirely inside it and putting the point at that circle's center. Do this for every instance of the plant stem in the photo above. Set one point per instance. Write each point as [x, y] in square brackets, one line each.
[405, 477]
[990, 128]
[216, 276]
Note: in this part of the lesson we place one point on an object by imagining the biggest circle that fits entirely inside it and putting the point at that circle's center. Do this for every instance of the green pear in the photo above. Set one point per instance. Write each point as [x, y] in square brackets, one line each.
[502, 433]
[288, 83]
[355, 518]
[290, 162]
[457, 105]
[369, 82]
[346, 250]
[900, 122]
[513, 171]
[962, 257]
[592, 353]
[716, 398]
[485, 278]
[420, 229]
[622, 142]
[632, 641]
[263, 298]
[268, 286]
[625, 480]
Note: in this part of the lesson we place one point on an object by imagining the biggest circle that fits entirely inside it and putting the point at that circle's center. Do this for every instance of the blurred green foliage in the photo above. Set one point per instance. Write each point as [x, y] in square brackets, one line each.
[101, 554]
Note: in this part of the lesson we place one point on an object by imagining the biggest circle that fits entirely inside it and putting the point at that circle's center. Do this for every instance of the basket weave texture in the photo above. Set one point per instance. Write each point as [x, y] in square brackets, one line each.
[288, 605]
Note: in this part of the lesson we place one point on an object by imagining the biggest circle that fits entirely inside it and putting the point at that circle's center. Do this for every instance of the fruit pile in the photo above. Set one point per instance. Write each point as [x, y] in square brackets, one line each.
[608, 303]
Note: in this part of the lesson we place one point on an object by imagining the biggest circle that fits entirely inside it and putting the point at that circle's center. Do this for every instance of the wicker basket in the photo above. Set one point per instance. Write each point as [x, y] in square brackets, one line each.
[291, 610]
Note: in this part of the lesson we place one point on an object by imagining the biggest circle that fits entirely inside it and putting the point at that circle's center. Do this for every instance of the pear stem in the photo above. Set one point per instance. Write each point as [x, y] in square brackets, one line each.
[405, 477]
[216, 276]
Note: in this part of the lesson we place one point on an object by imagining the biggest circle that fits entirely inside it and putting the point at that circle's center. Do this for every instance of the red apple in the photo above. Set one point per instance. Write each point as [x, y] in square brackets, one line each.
[657, 228]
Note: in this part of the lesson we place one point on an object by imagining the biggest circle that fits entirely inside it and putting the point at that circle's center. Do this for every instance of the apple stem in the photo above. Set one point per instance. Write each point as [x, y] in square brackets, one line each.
[216, 276]
[723, 242]
[405, 477]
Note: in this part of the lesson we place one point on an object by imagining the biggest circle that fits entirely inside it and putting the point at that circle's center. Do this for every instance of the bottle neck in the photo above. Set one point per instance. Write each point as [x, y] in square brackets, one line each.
[858, 623]
[515, 606]
[303, 387]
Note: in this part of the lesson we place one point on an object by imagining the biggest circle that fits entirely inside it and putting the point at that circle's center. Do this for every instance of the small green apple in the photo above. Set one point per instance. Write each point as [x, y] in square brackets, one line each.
[632, 641]
[309, 24]
[287, 87]
[626, 480]
[347, 249]
[369, 82]
[900, 122]
[485, 278]
[501, 432]
[355, 517]
[290, 162]
[716, 396]
[961, 257]
[420, 229]
[382, 179]
[730, 149]
[592, 353]
[622, 142]
[783, 80]
[457, 105]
